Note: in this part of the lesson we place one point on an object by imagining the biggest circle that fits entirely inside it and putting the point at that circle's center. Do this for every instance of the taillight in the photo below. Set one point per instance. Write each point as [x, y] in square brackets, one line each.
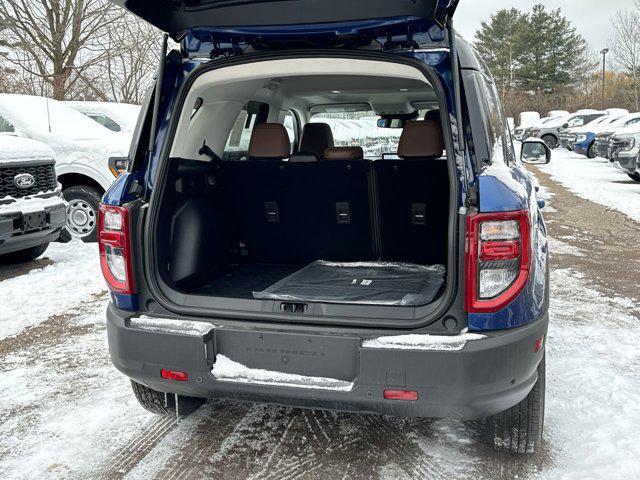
[498, 259]
[115, 248]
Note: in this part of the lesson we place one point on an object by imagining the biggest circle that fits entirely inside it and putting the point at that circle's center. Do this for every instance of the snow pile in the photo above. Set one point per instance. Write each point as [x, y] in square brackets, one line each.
[16, 149]
[227, 370]
[439, 343]
[73, 278]
[596, 180]
[177, 327]
[31, 205]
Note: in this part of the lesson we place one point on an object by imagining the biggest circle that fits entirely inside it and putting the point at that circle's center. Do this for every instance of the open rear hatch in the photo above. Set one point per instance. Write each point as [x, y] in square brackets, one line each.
[178, 16]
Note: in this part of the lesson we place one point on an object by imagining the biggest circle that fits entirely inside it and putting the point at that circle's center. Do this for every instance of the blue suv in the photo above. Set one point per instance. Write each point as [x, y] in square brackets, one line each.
[323, 208]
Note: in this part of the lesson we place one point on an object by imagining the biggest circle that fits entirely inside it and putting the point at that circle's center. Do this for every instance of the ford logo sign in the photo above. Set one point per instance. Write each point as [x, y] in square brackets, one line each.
[24, 180]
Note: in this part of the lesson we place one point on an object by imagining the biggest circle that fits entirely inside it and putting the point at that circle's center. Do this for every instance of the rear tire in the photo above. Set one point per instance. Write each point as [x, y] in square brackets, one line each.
[23, 256]
[164, 404]
[634, 176]
[82, 212]
[519, 429]
[551, 141]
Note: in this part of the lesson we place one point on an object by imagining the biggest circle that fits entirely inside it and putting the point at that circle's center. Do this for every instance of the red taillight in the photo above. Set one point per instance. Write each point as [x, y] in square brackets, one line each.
[407, 395]
[115, 248]
[173, 375]
[498, 259]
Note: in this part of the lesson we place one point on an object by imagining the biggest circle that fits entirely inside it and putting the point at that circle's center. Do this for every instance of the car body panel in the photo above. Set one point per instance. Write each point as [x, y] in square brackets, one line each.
[175, 17]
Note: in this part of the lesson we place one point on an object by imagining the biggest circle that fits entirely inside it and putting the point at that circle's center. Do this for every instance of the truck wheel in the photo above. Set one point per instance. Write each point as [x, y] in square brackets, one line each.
[519, 429]
[23, 256]
[591, 152]
[551, 141]
[164, 404]
[82, 212]
[634, 176]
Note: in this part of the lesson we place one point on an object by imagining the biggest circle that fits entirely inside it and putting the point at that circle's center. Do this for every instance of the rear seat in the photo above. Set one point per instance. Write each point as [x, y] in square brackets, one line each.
[295, 213]
[413, 197]
[289, 212]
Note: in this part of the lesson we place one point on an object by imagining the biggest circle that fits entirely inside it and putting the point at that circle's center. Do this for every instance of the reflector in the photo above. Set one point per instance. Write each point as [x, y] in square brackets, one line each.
[407, 395]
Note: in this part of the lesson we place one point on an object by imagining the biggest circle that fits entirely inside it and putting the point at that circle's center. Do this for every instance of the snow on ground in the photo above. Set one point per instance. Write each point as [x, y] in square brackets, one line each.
[73, 278]
[597, 180]
[63, 407]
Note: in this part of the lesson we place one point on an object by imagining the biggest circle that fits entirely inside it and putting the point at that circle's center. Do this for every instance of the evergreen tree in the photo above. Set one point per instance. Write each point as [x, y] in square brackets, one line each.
[554, 55]
[499, 43]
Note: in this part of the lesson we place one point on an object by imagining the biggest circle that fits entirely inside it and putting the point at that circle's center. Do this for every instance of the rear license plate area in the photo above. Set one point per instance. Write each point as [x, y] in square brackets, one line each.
[308, 355]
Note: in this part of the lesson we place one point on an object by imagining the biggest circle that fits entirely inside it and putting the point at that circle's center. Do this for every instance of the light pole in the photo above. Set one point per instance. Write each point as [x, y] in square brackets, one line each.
[604, 75]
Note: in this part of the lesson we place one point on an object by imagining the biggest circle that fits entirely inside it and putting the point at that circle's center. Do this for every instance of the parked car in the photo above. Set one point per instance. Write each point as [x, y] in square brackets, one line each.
[525, 133]
[551, 131]
[584, 142]
[625, 148]
[32, 210]
[602, 143]
[526, 121]
[583, 137]
[82, 149]
[413, 286]
[117, 117]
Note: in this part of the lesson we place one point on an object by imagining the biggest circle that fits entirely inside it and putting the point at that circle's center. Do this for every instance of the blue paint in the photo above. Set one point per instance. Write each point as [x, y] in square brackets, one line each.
[125, 302]
[583, 147]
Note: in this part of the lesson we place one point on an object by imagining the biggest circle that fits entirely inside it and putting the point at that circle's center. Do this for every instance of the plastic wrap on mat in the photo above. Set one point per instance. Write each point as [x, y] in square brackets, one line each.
[377, 283]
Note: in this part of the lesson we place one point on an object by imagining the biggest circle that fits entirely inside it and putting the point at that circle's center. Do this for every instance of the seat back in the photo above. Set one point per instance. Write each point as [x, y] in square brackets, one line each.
[413, 197]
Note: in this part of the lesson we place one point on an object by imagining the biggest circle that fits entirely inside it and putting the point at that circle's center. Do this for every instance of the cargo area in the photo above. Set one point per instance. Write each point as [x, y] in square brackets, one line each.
[304, 200]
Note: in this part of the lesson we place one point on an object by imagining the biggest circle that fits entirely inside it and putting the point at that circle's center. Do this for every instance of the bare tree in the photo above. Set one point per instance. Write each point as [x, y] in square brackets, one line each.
[57, 41]
[128, 71]
[625, 46]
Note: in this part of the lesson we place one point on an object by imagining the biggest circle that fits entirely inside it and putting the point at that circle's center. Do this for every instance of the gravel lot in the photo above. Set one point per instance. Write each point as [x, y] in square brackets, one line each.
[65, 412]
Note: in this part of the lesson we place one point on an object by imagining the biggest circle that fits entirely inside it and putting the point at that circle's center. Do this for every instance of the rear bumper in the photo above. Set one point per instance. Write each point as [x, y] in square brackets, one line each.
[30, 222]
[483, 378]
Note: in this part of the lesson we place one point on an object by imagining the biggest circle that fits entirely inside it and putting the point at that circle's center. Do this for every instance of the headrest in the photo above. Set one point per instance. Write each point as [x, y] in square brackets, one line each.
[421, 139]
[344, 153]
[316, 138]
[433, 115]
[269, 140]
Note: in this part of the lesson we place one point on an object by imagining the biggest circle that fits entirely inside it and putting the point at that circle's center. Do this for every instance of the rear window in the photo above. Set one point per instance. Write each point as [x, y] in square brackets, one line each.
[361, 129]
[240, 136]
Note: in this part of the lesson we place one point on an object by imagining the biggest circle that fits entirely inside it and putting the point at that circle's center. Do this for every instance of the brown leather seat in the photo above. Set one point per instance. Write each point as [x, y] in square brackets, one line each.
[344, 153]
[316, 138]
[421, 140]
[269, 141]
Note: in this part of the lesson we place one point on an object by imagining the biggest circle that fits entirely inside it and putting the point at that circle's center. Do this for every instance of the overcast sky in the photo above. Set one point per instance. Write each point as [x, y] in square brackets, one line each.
[591, 17]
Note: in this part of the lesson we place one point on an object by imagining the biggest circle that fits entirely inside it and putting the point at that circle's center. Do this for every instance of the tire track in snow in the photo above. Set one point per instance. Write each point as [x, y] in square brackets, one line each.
[130, 454]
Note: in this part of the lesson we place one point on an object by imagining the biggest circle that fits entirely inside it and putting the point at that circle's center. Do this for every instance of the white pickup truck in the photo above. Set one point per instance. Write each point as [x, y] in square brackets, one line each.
[32, 210]
[82, 148]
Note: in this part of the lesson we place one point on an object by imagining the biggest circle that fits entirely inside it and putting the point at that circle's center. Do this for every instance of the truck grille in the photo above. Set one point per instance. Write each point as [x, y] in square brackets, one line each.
[44, 175]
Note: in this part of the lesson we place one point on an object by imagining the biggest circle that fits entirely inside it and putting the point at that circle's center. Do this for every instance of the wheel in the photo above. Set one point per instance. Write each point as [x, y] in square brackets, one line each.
[591, 152]
[634, 176]
[23, 256]
[519, 429]
[550, 140]
[82, 212]
[164, 404]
